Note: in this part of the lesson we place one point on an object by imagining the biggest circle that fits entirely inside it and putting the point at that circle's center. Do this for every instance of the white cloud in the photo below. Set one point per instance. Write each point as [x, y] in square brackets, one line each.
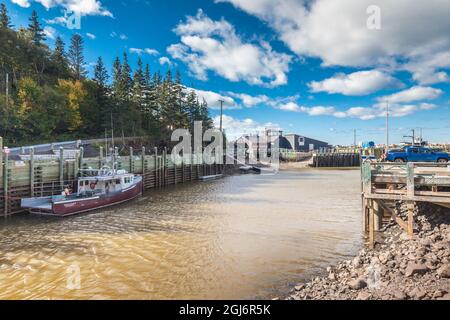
[364, 113]
[413, 94]
[356, 84]
[91, 36]
[213, 98]
[50, 32]
[248, 100]
[139, 51]
[82, 7]
[214, 45]
[165, 60]
[235, 128]
[121, 36]
[413, 35]
[22, 3]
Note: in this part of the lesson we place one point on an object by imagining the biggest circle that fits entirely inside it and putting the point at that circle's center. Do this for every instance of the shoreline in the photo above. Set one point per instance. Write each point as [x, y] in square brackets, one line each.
[399, 268]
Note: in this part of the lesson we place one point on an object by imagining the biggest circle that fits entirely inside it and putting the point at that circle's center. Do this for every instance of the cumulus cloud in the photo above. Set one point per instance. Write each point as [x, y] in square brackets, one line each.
[356, 84]
[213, 98]
[413, 94]
[82, 7]
[208, 45]
[413, 36]
[165, 60]
[248, 100]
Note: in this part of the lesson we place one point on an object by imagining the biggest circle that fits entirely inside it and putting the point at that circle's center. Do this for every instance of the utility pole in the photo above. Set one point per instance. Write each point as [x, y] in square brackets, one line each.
[221, 115]
[7, 103]
[387, 126]
[354, 134]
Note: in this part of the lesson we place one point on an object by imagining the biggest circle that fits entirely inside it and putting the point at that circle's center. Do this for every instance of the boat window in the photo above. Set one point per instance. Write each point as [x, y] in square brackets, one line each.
[81, 183]
[118, 181]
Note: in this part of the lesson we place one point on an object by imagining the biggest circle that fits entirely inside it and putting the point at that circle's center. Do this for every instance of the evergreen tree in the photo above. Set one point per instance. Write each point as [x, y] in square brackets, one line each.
[102, 97]
[127, 81]
[147, 76]
[5, 22]
[76, 57]
[35, 29]
[139, 86]
[59, 57]
[100, 73]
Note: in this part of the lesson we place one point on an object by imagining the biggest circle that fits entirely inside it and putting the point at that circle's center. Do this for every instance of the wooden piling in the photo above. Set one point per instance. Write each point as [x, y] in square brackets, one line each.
[143, 161]
[378, 216]
[100, 158]
[372, 230]
[5, 184]
[31, 171]
[61, 168]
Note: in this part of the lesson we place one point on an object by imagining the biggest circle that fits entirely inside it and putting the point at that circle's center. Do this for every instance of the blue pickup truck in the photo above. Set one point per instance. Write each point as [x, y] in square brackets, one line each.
[416, 154]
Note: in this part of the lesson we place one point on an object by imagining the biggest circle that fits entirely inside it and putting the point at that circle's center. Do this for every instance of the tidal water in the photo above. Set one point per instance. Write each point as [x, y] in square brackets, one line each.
[243, 237]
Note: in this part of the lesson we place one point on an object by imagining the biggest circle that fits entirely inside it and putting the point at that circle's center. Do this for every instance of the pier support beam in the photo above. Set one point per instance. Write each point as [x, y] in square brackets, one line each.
[378, 216]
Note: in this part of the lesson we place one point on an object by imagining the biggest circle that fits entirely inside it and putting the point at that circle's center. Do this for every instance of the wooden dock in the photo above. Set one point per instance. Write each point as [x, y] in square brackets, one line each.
[385, 184]
[41, 176]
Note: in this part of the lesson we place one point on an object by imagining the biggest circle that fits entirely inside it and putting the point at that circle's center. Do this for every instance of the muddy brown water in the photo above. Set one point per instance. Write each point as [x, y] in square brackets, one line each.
[243, 237]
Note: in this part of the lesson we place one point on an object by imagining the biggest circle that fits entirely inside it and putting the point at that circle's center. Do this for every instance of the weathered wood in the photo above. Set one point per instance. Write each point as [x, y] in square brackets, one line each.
[143, 161]
[410, 179]
[131, 159]
[61, 167]
[371, 225]
[31, 172]
[100, 158]
[378, 216]
[5, 184]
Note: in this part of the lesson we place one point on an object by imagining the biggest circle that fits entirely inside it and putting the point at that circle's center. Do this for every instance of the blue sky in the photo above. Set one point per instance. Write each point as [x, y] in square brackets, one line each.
[319, 68]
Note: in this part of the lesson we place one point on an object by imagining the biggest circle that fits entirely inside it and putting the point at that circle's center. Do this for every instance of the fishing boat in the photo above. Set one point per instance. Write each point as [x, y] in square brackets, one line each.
[96, 189]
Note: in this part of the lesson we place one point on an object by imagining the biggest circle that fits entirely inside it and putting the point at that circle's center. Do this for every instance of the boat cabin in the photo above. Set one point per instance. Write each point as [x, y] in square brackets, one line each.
[100, 185]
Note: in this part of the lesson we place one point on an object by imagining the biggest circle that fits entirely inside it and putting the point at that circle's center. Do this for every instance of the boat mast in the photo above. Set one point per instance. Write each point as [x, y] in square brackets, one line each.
[113, 150]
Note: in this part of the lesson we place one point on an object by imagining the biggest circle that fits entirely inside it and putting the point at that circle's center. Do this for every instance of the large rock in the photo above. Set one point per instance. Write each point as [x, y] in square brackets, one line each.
[415, 268]
[357, 284]
[444, 271]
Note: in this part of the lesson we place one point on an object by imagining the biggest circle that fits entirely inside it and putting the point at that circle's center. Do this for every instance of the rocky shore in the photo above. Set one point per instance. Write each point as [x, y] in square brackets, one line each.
[400, 268]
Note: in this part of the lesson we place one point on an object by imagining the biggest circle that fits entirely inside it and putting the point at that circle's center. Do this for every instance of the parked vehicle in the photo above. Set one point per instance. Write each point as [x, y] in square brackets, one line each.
[416, 154]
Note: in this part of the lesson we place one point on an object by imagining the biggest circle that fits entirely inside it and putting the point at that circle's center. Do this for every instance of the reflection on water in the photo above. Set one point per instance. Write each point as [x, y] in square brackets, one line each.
[240, 237]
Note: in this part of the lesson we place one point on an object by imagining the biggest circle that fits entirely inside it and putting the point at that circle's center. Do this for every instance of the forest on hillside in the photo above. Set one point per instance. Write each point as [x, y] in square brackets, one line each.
[46, 95]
